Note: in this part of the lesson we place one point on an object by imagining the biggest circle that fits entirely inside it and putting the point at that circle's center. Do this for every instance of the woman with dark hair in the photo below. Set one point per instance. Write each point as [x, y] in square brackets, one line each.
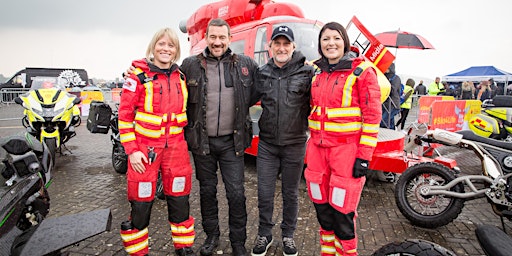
[344, 123]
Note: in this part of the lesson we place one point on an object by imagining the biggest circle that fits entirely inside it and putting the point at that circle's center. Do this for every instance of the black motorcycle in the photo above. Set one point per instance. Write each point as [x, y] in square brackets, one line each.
[25, 168]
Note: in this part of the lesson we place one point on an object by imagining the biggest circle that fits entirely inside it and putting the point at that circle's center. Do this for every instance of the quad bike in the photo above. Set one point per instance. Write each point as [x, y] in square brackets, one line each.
[495, 121]
[431, 195]
[51, 114]
[25, 168]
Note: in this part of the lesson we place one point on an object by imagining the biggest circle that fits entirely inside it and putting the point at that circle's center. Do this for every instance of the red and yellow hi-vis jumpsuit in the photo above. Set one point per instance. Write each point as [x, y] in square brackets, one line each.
[152, 114]
[344, 124]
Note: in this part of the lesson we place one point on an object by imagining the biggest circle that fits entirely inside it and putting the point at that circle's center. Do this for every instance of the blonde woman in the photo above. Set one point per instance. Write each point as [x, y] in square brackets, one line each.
[467, 91]
[151, 120]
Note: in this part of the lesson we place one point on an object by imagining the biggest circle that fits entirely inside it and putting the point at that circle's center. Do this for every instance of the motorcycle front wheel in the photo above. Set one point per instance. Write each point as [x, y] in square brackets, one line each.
[51, 143]
[427, 211]
[119, 159]
[413, 247]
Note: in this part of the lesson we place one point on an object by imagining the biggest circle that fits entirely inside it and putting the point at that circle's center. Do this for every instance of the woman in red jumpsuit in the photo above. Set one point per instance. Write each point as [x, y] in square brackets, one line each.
[344, 123]
[151, 120]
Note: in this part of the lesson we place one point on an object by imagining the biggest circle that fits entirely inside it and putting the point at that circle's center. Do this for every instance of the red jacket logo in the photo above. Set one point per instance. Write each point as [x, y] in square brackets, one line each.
[245, 71]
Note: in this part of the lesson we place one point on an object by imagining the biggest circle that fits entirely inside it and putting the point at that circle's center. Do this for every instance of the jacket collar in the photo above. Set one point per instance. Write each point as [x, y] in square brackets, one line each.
[297, 58]
[345, 63]
[206, 53]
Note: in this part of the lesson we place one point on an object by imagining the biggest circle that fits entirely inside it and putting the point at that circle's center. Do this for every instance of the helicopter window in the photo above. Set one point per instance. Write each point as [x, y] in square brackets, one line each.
[237, 46]
[261, 54]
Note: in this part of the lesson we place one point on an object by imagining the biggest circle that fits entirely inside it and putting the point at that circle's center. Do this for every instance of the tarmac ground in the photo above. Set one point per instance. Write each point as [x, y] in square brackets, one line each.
[84, 180]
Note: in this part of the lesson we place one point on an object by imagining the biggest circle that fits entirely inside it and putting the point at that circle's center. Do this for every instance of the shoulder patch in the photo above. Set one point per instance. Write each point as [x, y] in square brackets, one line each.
[245, 71]
[130, 85]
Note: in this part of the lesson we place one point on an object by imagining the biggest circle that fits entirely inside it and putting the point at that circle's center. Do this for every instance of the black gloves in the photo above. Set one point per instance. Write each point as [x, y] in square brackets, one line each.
[360, 168]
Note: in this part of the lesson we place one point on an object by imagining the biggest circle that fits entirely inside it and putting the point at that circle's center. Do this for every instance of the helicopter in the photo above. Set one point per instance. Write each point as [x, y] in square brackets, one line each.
[252, 23]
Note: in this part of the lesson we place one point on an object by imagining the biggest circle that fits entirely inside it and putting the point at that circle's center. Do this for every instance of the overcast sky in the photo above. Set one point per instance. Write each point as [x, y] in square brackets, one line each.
[105, 36]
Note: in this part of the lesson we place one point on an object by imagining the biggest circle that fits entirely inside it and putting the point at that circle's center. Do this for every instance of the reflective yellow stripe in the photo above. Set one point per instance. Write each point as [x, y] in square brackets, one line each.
[345, 127]
[343, 112]
[368, 140]
[370, 128]
[183, 239]
[314, 125]
[137, 71]
[124, 125]
[351, 251]
[328, 250]
[181, 229]
[328, 238]
[316, 110]
[127, 137]
[180, 118]
[131, 237]
[136, 247]
[185, 94]
[148, 100]
[349, 83]
[175, 130]
[347, 90]
[147, 132]
[148, 118]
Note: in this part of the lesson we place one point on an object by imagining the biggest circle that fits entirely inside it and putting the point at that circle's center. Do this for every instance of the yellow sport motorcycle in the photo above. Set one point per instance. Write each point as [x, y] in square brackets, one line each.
[495, 121]
[51, 114]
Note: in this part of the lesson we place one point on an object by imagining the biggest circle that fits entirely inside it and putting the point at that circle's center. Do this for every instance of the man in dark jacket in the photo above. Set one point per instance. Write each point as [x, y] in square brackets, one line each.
[219, 85]
[391, 106]
[420, 89]
[283, 86]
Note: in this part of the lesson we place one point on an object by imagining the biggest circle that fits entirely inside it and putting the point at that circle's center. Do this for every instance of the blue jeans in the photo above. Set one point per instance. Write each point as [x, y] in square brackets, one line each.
[272, 160]
[222, 154]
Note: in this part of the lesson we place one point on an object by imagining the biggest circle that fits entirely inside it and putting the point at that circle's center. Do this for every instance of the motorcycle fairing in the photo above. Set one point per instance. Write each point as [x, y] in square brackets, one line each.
[54, 134]
[49, 105]
[504, 114]
[484, 125]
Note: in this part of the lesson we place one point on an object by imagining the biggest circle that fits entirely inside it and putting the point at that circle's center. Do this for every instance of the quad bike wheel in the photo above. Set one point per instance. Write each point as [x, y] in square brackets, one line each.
[427, 211]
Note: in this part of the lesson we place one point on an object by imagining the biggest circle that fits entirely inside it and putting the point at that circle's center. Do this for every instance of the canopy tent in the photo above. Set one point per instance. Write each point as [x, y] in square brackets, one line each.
[479, 73]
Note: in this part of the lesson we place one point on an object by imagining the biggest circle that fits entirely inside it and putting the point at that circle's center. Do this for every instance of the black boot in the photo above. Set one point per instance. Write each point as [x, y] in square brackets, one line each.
[209, 245]
[239, 249]
[187, 251]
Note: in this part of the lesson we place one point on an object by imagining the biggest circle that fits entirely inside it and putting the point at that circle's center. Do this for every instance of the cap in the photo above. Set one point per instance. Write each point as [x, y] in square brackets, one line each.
[283, 31]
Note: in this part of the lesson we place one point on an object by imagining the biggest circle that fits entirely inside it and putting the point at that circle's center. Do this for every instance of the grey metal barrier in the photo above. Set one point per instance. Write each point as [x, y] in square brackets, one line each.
[7, 95]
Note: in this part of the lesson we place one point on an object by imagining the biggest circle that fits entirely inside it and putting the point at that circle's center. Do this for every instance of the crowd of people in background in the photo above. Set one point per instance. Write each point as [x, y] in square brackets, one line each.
[467, 90]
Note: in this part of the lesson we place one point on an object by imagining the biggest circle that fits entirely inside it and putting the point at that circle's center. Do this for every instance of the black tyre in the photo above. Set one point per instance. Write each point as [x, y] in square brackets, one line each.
[160, 188]
[413, 247]
[427, 211]
[119, 159]
[51, 143]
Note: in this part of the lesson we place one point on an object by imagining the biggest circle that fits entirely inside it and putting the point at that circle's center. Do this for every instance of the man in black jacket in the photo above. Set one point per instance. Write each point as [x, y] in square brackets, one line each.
[219, 85]
[391, 107]
[283, 86]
